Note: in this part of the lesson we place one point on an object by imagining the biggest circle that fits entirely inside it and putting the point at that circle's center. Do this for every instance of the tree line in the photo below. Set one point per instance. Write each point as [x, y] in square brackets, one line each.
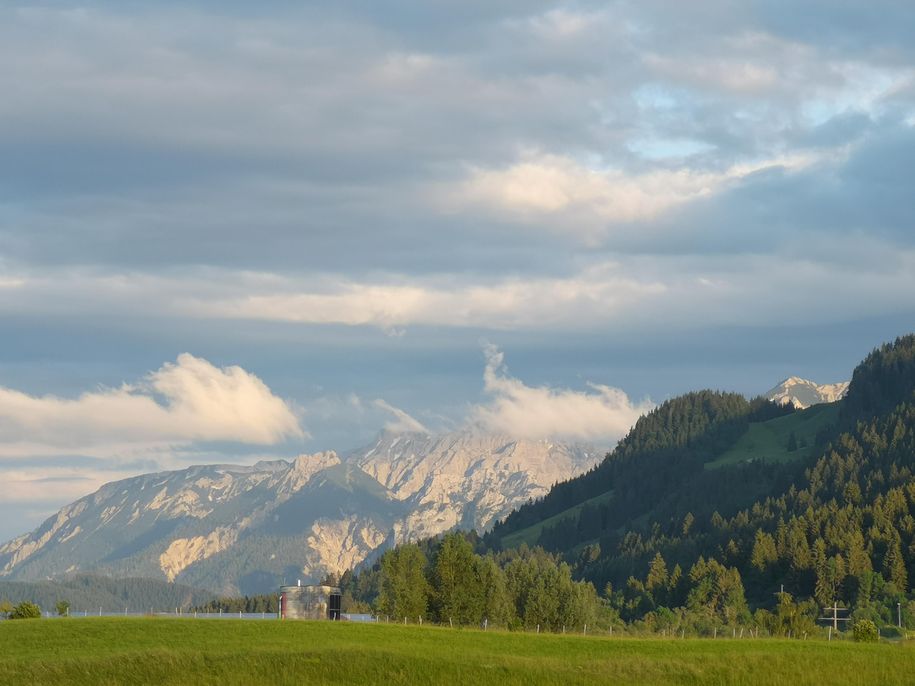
[445, 580]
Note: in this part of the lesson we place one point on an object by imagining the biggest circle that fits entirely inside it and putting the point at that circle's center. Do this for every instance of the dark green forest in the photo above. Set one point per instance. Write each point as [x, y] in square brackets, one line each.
[714, 510]
[265, 603]
[88, 593]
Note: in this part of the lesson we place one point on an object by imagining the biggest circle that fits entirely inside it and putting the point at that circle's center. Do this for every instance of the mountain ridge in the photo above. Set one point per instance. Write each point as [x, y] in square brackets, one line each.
[238, 528]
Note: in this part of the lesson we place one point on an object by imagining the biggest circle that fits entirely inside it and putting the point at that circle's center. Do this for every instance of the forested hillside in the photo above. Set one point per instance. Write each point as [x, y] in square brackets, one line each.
[713, 504]
[86, 592]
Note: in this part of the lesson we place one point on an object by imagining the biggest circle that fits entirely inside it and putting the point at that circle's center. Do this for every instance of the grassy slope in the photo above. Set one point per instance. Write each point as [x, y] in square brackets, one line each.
[768, 441]
[173, 651]
[531, 534]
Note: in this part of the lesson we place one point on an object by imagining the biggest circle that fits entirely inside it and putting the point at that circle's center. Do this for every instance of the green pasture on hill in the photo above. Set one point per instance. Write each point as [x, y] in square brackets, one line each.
[531, 534]
[187, 651]
[768, 441]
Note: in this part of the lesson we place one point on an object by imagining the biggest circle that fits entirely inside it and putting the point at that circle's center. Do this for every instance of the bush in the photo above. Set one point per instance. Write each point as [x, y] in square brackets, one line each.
[63, 608]
[25, 610]
[865, 631]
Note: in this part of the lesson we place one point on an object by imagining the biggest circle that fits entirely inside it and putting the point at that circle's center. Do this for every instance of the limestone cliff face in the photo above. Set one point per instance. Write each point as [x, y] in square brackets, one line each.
[466, 479]
[236, 529]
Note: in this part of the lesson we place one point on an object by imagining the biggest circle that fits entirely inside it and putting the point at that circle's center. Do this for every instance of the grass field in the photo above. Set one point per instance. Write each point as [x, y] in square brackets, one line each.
[187, 651]
[768, 441]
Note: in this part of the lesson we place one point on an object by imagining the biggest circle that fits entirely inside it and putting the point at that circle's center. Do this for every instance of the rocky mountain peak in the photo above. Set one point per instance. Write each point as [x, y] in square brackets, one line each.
[804, 393]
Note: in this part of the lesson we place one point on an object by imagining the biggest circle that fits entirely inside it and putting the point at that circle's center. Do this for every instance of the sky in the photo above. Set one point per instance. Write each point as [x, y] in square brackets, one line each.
[234, 231]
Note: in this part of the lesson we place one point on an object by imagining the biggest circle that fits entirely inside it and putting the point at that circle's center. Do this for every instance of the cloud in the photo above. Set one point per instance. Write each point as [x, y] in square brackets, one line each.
[55, 485]
[402, 421]
[507, 303]
[802, 281]
[545, 186]
[188, 401]
[600, 414]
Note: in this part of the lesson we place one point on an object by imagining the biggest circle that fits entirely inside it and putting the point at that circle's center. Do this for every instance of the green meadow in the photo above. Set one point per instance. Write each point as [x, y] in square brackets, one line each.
[768, 441]
[187, 651]
[531, 534]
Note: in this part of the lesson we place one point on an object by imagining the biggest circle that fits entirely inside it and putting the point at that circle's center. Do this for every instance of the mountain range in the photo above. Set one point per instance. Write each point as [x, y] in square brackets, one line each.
[246, 529]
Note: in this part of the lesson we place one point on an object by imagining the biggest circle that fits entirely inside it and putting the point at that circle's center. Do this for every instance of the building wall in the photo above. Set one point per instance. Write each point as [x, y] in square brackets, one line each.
[310, 602]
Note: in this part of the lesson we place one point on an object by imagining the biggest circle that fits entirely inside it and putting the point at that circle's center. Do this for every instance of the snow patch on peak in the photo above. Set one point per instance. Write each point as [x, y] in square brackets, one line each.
[804, 393]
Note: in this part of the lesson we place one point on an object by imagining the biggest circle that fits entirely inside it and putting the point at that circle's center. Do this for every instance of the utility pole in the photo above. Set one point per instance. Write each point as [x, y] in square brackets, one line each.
[835, 618]
[899, 615]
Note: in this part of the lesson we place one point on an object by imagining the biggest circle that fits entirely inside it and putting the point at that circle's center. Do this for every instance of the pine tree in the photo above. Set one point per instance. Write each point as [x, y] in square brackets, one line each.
[764, 553]
[657, 573]
[894, 566]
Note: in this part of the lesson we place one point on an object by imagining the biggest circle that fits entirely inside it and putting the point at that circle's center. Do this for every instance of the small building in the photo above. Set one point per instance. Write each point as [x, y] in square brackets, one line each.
[310, 602]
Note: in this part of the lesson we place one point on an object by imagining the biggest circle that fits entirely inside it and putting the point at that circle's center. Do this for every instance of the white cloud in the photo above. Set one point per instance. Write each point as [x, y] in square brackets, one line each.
[180, 403]
[402, 422]
[799, 284]
[505, 304]
[56, 485]
[543, 187]
[522, 411]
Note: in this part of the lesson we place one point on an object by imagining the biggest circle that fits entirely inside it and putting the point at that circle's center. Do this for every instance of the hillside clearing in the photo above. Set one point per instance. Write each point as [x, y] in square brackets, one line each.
[768, 441]
[531, 534]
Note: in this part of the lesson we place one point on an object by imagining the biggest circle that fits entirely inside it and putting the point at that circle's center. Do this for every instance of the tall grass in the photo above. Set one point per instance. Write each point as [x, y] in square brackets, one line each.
[176, 651]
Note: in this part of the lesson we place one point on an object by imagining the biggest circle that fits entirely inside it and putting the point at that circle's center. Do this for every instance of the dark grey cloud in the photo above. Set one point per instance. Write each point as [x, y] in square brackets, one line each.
[249, 137]
[879, 30]
[866, 195]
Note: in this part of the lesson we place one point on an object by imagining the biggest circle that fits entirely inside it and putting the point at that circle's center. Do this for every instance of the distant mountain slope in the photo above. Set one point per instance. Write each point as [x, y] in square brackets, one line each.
[236, 529]
[804, 393]
[86, 592]
[657, 467]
